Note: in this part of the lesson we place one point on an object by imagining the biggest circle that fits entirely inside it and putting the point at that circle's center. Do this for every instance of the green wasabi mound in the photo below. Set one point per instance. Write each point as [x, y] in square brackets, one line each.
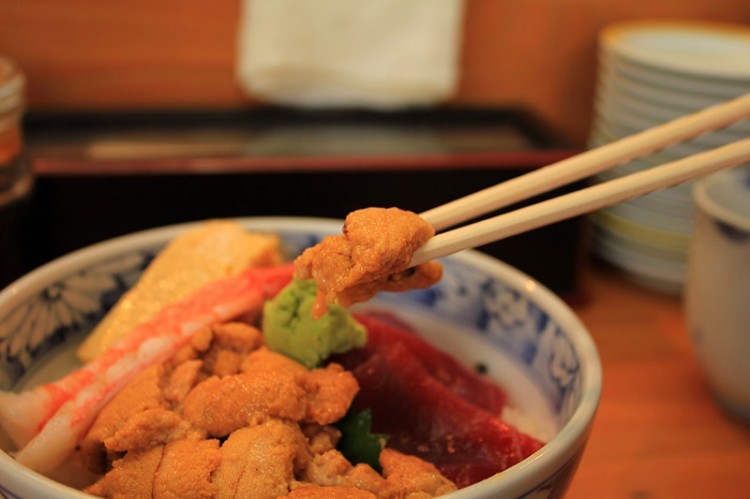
[290, 329]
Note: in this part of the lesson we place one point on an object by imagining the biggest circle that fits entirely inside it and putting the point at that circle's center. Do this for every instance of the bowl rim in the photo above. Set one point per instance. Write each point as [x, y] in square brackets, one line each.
[709, 194]
[569, 439]
[561, 449]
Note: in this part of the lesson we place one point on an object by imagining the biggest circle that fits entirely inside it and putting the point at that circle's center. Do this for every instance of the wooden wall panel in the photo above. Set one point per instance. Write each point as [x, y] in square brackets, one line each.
[90, 54]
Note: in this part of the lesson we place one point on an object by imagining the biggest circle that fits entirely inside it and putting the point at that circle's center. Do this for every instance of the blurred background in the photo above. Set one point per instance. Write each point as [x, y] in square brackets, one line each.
[523, 97]
[87, 54]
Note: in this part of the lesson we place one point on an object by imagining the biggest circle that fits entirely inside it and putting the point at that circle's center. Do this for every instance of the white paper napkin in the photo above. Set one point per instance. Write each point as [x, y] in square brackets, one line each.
[350, 53]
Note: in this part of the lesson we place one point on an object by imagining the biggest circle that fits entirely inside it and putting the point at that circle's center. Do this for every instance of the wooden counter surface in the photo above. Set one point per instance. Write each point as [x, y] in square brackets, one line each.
[658, 432]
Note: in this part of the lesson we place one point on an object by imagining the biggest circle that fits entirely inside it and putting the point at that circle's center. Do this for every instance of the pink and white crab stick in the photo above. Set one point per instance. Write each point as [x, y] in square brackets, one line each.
[47, 422]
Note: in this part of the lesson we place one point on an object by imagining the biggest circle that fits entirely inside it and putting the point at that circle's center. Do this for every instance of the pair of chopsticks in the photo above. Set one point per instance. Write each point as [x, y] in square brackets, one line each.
[590, 198]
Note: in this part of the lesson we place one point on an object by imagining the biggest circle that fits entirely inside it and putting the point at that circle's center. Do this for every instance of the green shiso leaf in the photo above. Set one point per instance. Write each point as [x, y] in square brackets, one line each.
[357, 444]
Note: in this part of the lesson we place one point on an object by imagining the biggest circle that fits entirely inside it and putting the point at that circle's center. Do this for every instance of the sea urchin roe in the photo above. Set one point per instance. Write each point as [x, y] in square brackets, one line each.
[372, 254]
[258, 427]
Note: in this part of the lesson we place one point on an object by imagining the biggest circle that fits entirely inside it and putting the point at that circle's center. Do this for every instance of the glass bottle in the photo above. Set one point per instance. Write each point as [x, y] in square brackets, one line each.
[16, 178]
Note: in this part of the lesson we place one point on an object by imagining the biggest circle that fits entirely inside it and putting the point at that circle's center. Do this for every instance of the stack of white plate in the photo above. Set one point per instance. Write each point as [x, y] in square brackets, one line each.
[650, 73]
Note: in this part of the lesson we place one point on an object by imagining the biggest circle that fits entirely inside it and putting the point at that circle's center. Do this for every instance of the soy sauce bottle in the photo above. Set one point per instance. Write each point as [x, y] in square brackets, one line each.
[16, 179]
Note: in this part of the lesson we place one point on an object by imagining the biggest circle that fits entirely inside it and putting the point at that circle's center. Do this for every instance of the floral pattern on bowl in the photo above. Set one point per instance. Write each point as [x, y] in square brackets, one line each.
[69, 305]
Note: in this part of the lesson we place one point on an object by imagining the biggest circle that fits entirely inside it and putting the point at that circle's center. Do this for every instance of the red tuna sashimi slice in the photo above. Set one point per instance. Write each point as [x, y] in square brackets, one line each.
[422, 417]
[55, 415]
[385, 329]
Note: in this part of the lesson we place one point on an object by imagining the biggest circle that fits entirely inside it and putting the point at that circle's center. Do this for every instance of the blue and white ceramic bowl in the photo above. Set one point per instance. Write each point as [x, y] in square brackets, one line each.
[483, 311]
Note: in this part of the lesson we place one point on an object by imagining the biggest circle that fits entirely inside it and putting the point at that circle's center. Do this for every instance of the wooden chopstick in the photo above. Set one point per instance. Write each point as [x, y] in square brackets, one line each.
[601, 195]
[588, 163]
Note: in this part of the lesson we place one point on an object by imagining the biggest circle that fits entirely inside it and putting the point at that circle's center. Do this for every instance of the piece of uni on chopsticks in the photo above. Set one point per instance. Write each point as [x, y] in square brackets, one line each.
[212, 250]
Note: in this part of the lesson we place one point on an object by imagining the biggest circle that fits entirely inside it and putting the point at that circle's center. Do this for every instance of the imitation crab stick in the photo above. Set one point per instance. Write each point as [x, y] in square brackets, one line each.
[48, 421]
